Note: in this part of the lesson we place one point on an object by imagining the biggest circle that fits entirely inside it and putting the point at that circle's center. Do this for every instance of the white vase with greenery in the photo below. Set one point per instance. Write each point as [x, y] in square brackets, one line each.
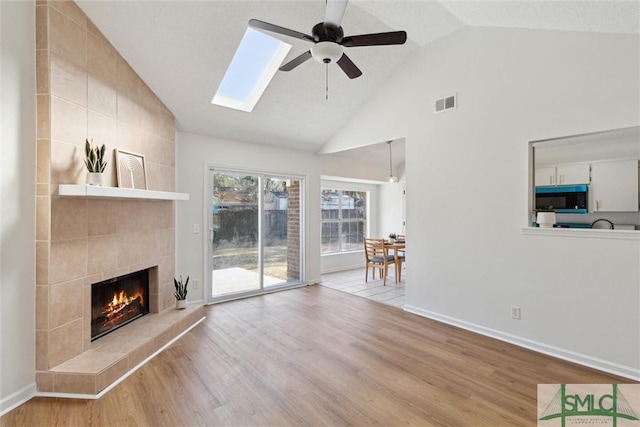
[95, 162]
[181, 292]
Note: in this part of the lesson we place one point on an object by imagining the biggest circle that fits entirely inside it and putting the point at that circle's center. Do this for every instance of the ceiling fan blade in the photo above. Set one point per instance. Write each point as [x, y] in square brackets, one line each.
[335, 11]
[261, 25]
[377, 39]
[295, 61]
[349, 67]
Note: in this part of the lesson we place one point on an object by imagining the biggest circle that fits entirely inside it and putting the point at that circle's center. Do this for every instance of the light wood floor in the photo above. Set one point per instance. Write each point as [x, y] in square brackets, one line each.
[318, 356]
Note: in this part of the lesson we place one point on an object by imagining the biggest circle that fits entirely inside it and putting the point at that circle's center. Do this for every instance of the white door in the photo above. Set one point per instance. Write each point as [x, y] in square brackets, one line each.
[256, 233]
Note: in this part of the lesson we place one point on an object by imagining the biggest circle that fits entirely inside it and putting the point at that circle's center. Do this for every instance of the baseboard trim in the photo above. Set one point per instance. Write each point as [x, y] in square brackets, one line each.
[342, 268]
[570, 356]
[16, 399]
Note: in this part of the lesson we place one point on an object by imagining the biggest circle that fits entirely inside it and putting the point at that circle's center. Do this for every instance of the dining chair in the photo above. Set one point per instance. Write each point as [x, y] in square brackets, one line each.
[401, 238]
[399, 258]
[378, 257]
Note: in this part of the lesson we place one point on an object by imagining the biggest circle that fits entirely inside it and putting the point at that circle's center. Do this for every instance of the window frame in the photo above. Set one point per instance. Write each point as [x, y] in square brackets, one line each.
[341, 220]
[210, 169]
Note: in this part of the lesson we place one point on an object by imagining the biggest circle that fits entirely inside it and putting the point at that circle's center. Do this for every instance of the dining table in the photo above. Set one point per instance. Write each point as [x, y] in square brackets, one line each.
[395, 245]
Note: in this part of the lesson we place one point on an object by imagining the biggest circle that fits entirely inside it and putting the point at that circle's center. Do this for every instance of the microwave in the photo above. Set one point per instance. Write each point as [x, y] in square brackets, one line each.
[564, 198]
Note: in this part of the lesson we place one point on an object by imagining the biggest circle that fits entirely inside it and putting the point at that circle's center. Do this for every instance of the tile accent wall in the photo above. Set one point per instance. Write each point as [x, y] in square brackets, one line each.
[85, 89]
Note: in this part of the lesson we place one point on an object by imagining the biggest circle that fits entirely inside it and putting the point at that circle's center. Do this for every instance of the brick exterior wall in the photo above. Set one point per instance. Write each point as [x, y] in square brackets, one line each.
[293, 232]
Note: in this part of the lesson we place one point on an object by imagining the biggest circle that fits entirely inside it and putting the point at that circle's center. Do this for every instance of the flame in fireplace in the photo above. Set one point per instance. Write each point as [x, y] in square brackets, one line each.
[120, 301]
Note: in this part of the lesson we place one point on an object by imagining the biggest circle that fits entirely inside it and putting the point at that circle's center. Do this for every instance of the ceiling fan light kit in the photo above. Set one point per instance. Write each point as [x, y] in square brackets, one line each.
[326, 52]
[329, 41]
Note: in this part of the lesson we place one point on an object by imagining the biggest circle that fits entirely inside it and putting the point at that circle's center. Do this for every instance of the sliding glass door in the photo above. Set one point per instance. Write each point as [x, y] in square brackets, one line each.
[255, 233]
[235, 258]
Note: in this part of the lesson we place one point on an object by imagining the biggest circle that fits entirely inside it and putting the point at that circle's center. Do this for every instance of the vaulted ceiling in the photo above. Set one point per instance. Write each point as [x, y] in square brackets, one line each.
[181, 49]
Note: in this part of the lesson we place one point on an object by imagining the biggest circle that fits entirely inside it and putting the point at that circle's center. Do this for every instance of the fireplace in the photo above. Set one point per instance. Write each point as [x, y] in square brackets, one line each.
[118, 301]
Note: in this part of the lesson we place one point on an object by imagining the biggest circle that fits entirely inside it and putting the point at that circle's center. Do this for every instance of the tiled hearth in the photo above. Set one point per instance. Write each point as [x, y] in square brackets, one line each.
[116, 354]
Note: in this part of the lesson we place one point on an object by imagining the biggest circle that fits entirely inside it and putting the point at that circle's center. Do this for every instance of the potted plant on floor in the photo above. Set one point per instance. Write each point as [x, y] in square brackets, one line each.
[546, 217]
[181, 292]
[95, 162]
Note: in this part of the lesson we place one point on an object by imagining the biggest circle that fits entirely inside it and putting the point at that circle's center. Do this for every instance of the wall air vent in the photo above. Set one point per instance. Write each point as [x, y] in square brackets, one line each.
[446, 103]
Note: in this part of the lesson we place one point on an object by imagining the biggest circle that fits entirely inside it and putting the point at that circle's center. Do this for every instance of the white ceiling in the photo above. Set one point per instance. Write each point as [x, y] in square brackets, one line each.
[181, 49]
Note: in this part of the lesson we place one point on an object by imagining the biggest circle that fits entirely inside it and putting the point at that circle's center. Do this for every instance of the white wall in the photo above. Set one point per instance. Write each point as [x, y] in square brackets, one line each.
[467, 186]
[194, 152]
[17, 202]
[387, 116]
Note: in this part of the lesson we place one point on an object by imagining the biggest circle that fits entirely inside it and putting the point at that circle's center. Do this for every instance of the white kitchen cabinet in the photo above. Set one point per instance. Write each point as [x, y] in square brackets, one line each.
[545, 176]
[573, 174]
[614, 186]
[566, 174]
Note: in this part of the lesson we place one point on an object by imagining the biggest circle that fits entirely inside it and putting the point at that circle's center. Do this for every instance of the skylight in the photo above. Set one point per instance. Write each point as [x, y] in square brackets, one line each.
[252, 68]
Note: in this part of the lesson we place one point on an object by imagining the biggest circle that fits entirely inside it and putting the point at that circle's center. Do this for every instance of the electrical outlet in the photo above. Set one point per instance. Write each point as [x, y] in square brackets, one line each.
[196, 228]
[196, 285]
[515, 312]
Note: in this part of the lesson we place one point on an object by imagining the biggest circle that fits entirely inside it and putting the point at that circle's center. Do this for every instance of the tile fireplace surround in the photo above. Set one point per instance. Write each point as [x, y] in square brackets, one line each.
[85, 89]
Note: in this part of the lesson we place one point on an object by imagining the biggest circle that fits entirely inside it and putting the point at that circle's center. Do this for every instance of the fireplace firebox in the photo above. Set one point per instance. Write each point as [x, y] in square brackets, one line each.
[118, 301]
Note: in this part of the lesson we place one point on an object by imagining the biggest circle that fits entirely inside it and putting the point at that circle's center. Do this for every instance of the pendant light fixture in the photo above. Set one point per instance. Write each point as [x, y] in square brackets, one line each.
[392, 179]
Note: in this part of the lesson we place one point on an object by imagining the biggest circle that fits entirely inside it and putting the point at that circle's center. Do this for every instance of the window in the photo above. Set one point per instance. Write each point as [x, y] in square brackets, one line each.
[344, 220]
[252, 68]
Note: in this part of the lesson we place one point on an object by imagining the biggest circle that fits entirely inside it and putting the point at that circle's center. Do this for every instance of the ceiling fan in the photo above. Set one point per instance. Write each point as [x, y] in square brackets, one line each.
[329, 41]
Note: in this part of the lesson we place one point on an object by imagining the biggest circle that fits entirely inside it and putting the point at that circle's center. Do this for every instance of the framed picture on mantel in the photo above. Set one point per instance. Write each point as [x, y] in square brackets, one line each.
[130, 170]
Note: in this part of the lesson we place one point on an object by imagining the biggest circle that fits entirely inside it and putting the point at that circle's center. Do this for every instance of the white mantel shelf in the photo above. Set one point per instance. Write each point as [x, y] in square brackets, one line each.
[117, 193]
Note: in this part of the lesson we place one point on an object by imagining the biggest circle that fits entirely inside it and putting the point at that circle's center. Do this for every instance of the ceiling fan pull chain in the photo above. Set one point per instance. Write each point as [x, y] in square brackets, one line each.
[326, 67]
